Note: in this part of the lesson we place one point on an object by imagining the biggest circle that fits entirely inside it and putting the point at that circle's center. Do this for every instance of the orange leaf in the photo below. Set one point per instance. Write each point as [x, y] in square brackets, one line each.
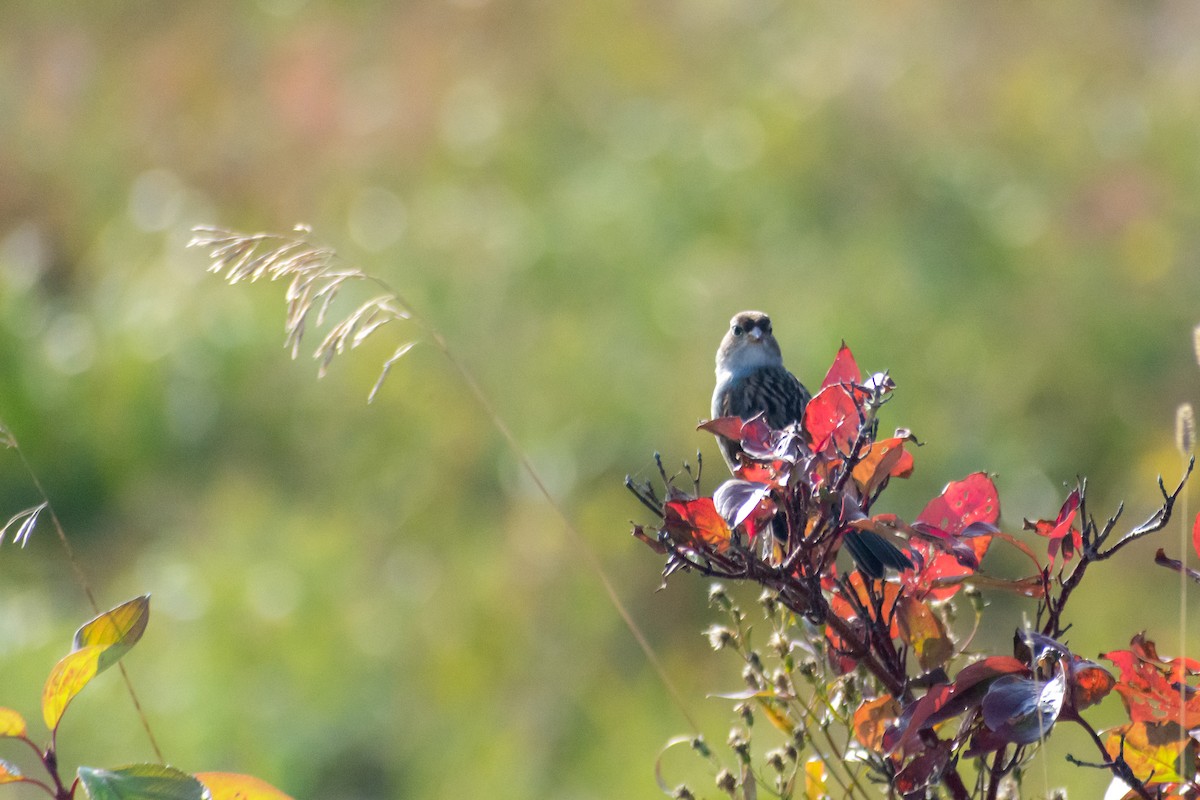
[696, 522]
[67, 678]
[842, 607]
[924, 632]
[873, 718]
[886, 458]
[9, 773]
[231, 786]
[11, 723]
[1090, 683]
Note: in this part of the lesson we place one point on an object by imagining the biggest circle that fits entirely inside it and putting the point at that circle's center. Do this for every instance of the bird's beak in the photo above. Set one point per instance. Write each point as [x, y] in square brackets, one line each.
[756, 334]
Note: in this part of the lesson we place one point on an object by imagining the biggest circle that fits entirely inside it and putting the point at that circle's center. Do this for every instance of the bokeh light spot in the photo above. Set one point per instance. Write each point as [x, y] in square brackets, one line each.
[272, 590]
[377, 218]
[1147, 249]
[733, 140]
[155, 200]
[23, 256]
[471, 119]
[70, 343]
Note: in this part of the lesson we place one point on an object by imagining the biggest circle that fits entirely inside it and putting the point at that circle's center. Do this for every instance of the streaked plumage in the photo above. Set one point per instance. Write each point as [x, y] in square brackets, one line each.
[751, 379]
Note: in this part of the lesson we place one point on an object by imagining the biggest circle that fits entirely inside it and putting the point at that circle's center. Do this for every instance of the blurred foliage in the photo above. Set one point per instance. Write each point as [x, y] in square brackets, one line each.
[995, 203]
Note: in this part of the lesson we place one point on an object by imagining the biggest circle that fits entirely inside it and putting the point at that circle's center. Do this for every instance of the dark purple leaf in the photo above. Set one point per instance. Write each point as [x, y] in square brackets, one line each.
[1022, 710]
[737, 499]
[1031, 647]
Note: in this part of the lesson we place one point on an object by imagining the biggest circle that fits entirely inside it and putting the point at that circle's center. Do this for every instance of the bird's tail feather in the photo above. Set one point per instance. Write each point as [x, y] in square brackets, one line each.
[873, 553]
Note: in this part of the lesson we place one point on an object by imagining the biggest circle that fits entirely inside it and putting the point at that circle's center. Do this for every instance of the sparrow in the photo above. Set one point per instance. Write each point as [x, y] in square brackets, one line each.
[751, 379]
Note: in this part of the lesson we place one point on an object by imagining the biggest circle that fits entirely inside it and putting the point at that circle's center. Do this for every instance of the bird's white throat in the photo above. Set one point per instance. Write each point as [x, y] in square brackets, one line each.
[744, 360]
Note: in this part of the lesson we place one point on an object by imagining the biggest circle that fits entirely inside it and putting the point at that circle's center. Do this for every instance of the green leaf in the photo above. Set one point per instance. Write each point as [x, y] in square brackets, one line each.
[141, 782]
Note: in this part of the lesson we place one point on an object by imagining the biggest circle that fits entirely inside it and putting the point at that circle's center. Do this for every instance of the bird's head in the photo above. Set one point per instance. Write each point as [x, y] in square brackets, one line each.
[748, 345]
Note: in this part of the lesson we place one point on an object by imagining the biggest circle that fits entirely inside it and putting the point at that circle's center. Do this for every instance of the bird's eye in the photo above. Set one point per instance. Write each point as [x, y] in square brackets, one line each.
[737, 330]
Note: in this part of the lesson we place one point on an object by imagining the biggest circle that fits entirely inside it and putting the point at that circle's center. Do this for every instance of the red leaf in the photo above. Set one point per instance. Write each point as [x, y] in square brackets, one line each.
[1160, 558]
[1196, 535]
[943, 572]
[831, 420]
[971, 684]
[844, 369]
[961, 510]
[988, 668]
[1149, 685]
[963, 551]
[917, 714]
[961, 503]
[1066, 515]
[923, 770]
[729, 427]
[1059, 528]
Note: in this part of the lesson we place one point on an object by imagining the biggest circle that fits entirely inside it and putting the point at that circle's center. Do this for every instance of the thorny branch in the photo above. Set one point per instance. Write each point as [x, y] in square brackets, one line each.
[1094, 538]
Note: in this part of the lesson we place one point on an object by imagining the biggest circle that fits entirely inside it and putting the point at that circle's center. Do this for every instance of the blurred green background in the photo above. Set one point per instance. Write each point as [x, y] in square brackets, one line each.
[997, 203]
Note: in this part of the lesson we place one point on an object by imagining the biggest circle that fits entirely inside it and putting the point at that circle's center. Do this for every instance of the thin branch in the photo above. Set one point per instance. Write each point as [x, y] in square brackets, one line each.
[1118, 766]
[1159, 519]
[81, 579]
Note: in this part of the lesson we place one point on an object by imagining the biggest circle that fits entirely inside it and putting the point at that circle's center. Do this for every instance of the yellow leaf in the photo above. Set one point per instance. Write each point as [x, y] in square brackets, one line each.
[230, 786]
[11, 723]
[815, 778]
[1150, 749]
[778, 717]
[924, 632]
[69, 675]
[123, 625]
